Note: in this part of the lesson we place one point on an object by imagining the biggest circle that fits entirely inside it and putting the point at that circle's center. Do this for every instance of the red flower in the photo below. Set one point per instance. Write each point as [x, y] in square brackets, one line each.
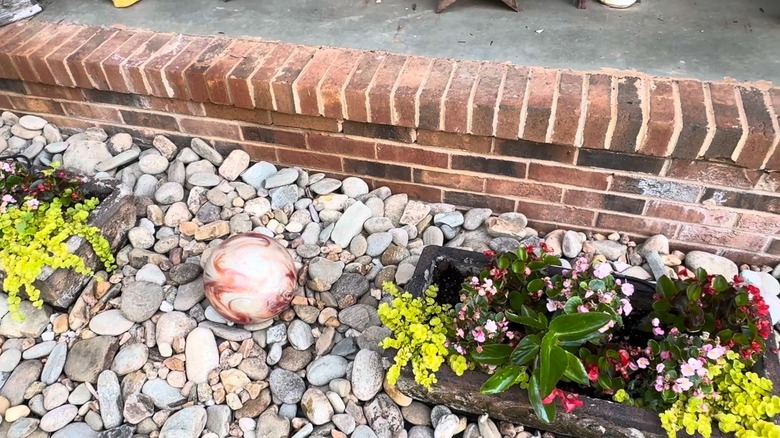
[569, 401]
[624, 358]
[593, 372]
[490, 253]
[498, 274]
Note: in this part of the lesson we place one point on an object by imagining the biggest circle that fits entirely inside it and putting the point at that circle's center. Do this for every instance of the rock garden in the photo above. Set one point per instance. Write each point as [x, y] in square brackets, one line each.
[151, 290]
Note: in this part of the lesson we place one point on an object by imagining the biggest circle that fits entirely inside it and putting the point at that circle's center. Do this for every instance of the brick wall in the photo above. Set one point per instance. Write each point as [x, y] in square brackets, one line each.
[696, 161]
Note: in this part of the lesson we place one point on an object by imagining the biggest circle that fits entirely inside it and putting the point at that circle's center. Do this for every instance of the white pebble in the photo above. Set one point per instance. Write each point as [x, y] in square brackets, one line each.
[166, 307]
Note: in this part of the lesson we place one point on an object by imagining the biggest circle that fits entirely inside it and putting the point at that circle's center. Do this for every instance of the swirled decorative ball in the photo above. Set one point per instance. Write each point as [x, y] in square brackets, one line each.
[249, 278]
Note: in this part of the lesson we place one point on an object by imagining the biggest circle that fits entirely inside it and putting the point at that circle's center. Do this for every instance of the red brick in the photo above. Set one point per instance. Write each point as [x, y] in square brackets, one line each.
[662, 120]
[260, 152]
[150, 120]
[774, 247]
[640, 225]
[355, 97]
[133, 67]
[536, 151]
[20, 57]
[599, 112]
[57, 60]
[242, 92]
[439, 139]
[37, 59]
[210, 128]
[759, 223]
[656, 188]
[93, 63]
[752, 257]
[713, 173]
[223, 112]
[413, 155]
[7, 46]
[568, 175]
[173, 81]
[721, 237]
[453, 180]
[92, 112]
[457, 100]
[694, 119]
[75, 62]
[112, 64]
[761, 134]
[282, 82]
[769, 182]
[170, 105]
[381, 89]
[332, 86]
[150, 74]
[306, 122]
[490, 166]
[568, 109]
[308, 159]
[603, 201]
[54, 92]
[195, 73]
[696, 214]
[305, 87]
[9, 33]
[377, 169]
[430, 111]
[415, 191]
[275, 136]
[606, 159]
[510, 104]
[404, 99]
[773, 163]
[13, 86]
[5, 103]
[217, 75]
[540, 103]
[535, 211]
[484, 107]
[387, 132]
[36, 105]
[728, 127]
[478, 200]
[523, 189]
[630, 118]
[340, 145]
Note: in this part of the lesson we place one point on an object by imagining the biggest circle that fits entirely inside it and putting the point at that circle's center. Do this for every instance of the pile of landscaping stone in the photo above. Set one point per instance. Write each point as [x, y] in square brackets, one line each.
[144, 354]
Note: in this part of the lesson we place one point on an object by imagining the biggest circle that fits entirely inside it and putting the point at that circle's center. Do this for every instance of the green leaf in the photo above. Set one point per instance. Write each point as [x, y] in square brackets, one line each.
[552, 364]
[661, 306]
[742, 299]
[535, 285]
[492, 354]
[503, 262]
[605, 382]
[654, 347]
[527, 349]
[551, 260]
[578, 326]
[12, 180]
[720, 283]
[572, 304]
[546, 412]
[515, 300]
[666, 287]
[576, 370]
[518, 267]
[525, 320]
[501, 380]
[536, 265]
[522, 254]
[694, 292]
[725, 335]
[701, 274]
[597, 285]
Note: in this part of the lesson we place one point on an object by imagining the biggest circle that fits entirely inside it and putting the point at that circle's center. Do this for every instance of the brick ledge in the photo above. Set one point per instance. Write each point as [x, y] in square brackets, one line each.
[622, 112]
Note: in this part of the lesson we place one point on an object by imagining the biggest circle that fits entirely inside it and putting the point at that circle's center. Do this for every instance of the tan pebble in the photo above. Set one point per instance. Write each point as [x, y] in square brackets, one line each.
[16, 412]
[246, 347]
[219, 396]
[326, 314]
[288, 315]
[177, 379]
[175, 363]
[60, 324]
[398, 397]
[188, 228]
[4, 405]
[185, 390]
[159, 417]
[332, 322]
[299, 300]
[337, 434]
[178, 344]
[163, 373]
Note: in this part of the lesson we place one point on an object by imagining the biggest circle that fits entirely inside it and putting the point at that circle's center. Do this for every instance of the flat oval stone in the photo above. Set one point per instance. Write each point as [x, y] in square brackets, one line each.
[110, 323]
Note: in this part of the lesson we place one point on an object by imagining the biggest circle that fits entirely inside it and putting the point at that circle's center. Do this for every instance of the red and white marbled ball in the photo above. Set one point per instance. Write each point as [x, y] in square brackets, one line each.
[249, 278]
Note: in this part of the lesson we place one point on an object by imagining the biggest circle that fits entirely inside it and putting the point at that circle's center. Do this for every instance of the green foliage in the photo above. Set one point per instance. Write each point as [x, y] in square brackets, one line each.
[420, 328]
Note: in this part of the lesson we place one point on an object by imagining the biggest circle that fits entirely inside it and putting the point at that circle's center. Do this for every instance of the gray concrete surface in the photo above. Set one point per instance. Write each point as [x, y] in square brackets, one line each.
[704, 39]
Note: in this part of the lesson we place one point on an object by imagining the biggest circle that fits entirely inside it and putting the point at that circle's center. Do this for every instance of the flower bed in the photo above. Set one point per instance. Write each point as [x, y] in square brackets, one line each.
[57, 227]
[589, 414]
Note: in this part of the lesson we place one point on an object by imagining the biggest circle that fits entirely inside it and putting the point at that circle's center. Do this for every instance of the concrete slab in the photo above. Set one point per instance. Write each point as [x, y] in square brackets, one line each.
[703, 39]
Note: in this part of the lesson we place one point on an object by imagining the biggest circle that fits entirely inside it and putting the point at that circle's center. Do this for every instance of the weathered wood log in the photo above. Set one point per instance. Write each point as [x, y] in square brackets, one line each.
[15, 10]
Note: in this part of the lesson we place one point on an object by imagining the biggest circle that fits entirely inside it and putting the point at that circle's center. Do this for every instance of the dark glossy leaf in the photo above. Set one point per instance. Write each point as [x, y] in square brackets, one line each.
[492, 354]
[605, 382]
[654, 347]
[572, 304]
[546, 412]
[536, 265]
[720, 283]
[666, 286]
[515, 300]
[501, 380]
[576, 370]
[526, 320]
[552, 260]
[742, 299]
[694, 292]
[578, 326]
[725, 335]
[503, 262]
[527, 311]
[518, 267]
[661, 306]
[12, 180]
[701, 274]
[522, 254]
[527, 350]
[552, 365]
[535, 285]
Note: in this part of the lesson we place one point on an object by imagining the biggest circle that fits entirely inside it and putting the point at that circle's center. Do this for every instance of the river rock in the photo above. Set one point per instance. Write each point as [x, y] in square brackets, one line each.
[202, 354]
[20, 379]
[713, 264]
[367, 374]
[187, 423]
[88, 357]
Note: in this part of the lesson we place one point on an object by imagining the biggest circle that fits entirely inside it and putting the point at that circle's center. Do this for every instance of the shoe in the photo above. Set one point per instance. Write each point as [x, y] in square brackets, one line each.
[618, 4]
[124, 3]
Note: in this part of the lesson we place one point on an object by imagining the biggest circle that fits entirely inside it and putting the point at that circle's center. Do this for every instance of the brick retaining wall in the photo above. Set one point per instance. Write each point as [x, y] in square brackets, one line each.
[697, 161]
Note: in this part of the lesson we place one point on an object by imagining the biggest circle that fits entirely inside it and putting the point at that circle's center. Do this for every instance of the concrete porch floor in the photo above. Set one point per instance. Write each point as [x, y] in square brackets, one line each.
[703, 39]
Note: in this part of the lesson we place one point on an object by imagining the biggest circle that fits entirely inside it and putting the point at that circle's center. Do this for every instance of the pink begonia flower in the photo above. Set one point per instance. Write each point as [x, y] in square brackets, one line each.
[32, 203]
[459, 349]
[478, 334]
[658, 331]
[656, 322]
[659, 368]
[608, 326]
[683, 383]
[9, 199]
[474, 281]
[627, 289]
[491, 326]
[627, 308]
[510, 335]
[691, 367]
[716, 353]
[481, 292]
[583, 309]
[659, 384]
[702, 372]
[459, 332]
[642, 362]
[665, 355]
[551, 306]
[602, 270]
